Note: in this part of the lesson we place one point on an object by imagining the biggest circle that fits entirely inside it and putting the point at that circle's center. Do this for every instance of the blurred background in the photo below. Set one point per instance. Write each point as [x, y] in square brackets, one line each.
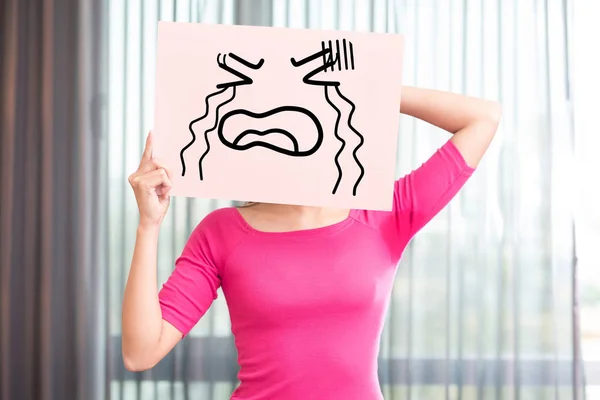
[498, 298]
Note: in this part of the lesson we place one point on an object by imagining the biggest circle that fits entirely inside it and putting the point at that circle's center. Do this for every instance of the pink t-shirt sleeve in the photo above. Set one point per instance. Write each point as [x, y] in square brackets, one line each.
[192, 287]
[418, 197]
[422, 194]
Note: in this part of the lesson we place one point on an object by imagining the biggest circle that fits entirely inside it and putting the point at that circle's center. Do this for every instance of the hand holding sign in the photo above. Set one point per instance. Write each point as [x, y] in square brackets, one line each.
[151, 184]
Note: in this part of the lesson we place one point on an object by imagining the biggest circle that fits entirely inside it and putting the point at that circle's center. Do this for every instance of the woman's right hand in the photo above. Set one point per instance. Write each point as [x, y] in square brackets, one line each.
[151, 184]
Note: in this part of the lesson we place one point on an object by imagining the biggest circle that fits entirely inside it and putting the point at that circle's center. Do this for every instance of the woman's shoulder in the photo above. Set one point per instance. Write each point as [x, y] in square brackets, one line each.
[220, 221]
[218, 233]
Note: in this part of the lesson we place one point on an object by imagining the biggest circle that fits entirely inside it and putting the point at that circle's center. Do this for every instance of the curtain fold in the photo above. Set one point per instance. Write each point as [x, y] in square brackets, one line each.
[47, 327]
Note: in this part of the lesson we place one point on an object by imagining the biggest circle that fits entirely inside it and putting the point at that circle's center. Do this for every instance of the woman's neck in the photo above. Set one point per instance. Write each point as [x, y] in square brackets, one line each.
[286, 217]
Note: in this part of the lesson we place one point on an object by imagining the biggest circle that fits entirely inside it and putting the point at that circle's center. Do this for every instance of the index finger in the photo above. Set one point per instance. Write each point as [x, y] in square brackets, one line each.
[148, 149]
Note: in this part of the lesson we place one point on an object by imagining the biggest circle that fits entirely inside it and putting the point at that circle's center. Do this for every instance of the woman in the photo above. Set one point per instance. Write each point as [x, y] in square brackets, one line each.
[307, 288]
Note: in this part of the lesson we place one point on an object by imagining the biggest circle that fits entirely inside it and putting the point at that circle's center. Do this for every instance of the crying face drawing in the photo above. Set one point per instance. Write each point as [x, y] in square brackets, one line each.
[335, 55]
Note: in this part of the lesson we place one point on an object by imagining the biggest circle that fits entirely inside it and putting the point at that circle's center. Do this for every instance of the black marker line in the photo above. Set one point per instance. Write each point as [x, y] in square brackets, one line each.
[362, 140]
[338, 54]
[192, 131]
[323, 50]
[308, 59]
[235, 145]
[210, 130]
[331, 54]
[312, 73]
[345, 56]
[338, 137]
[244, 79]
[351, 54]
[265, 133]
[248, 64]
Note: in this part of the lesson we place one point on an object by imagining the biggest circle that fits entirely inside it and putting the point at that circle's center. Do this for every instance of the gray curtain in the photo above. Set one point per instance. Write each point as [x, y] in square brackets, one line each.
[48, 329]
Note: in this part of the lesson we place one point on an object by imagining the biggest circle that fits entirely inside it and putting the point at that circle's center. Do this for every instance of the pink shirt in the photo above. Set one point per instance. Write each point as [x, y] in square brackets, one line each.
[307, 307]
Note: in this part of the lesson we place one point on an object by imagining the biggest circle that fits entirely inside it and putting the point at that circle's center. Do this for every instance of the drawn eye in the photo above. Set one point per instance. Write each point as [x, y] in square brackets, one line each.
[331, 58]
[244, 79]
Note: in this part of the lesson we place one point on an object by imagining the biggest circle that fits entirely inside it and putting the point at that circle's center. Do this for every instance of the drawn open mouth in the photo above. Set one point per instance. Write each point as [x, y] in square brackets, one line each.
[300, 140]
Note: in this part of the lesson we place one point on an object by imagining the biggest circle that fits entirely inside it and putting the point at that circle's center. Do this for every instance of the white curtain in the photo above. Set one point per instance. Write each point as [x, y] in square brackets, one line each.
[586, 82]
[482, 302]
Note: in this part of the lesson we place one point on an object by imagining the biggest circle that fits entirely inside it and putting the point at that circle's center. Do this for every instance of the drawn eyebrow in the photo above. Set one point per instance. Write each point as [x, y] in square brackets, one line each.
[312, 57]
[246, 63]
[328, 64]
[332, 53]
[244, 79]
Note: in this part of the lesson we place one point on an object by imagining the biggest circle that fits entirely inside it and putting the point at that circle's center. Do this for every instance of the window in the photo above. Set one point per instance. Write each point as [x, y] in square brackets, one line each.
[474, 310]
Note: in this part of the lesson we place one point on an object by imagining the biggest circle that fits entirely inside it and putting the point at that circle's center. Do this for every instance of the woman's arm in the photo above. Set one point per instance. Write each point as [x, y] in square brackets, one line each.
[472, 121]
[154, 322]
[146, 336]
[423, 193]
